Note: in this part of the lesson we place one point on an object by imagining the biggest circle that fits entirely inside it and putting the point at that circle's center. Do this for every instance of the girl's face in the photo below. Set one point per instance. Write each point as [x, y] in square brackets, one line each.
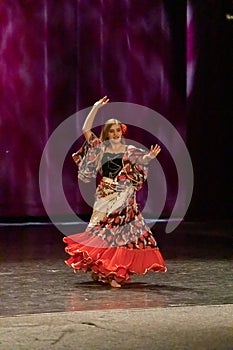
[115, 133]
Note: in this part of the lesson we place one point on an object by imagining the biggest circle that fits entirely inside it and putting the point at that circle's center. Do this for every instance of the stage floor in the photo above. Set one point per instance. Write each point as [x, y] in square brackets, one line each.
[35, 279]
[47, 285]
[44, 305]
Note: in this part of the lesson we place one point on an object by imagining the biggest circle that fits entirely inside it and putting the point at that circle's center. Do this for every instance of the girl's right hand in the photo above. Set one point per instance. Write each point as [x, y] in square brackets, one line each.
[101, 102]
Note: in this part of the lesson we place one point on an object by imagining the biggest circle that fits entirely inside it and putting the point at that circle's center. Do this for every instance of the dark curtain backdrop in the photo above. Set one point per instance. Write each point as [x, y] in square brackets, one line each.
[58, 57]
[210, 107]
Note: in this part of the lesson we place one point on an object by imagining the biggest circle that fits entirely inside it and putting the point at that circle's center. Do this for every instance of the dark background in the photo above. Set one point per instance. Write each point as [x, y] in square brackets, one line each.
[58, 57]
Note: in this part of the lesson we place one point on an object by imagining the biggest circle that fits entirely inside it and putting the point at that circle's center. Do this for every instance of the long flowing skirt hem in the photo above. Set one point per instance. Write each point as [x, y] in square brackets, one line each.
[119, 263]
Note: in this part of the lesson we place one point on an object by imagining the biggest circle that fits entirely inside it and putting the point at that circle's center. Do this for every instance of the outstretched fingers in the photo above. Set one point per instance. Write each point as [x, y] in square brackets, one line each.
[154, 151]
[102, 101]
[105, 99]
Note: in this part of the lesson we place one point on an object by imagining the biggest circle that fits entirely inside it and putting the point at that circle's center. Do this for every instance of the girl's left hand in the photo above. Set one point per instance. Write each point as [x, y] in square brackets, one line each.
[154, 151]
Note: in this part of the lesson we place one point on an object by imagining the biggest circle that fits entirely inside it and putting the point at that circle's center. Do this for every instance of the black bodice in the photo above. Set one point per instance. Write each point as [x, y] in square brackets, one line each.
[111, 164]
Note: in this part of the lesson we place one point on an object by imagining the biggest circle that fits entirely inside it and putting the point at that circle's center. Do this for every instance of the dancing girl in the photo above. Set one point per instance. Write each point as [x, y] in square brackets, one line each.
[117, 243]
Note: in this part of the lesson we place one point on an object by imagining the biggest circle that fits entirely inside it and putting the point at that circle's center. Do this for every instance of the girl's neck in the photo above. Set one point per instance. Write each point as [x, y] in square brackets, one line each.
[115, 148]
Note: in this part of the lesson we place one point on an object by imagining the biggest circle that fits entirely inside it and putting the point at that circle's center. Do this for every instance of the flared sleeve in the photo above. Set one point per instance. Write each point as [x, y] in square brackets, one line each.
[88, 157]
[136, 168]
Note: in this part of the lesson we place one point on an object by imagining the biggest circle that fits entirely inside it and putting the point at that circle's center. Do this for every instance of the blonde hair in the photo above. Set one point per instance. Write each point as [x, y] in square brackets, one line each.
[106, 128]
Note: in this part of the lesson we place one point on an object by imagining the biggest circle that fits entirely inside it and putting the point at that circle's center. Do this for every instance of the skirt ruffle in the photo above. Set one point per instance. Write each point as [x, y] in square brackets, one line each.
[91, 253]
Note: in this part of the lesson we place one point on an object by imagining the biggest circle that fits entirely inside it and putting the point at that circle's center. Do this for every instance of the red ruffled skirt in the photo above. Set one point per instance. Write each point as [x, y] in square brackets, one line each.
[91, 253]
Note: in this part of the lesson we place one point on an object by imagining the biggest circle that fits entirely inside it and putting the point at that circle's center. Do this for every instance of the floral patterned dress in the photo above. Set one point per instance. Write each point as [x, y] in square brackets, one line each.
[117, 242]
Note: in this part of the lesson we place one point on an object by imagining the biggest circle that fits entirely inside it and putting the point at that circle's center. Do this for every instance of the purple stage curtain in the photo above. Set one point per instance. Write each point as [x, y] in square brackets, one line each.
[37, 54]
[58, 57]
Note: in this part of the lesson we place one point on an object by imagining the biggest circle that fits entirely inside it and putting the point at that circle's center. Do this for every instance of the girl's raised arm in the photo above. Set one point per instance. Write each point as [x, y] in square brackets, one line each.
[91, 116]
